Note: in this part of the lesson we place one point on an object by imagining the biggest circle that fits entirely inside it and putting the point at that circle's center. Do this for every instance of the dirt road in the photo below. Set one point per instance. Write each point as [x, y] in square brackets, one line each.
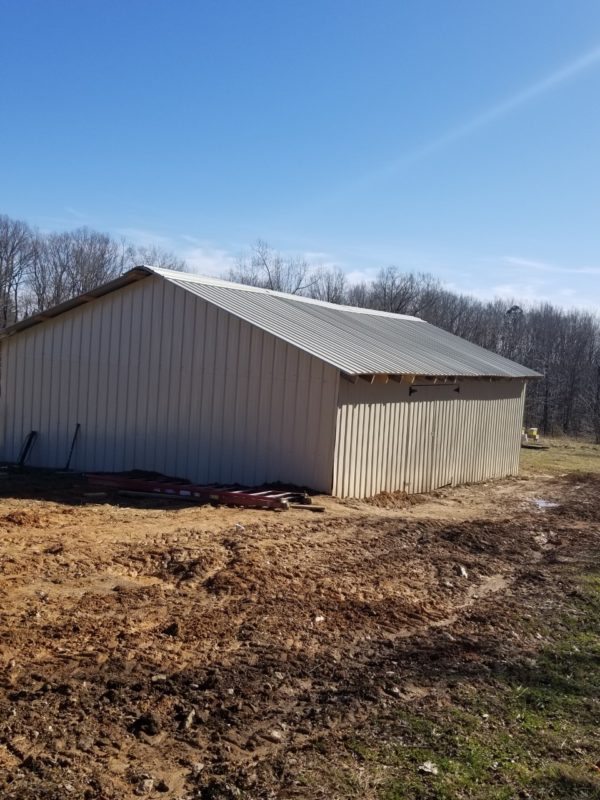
[187, 652]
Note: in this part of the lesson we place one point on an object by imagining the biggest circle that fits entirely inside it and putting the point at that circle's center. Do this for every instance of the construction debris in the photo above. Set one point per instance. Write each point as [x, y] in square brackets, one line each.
[134, 485]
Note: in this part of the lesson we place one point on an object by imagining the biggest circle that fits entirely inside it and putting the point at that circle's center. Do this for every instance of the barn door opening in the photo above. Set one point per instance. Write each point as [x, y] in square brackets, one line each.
[442, 444]
[418, 453]
[429, 455]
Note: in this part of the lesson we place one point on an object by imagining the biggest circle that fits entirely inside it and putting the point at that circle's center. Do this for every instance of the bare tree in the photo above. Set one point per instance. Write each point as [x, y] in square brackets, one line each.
[16, 254]
[69, 264]
[359, 295]
[328, 284]
[269, 269]
[403, 292]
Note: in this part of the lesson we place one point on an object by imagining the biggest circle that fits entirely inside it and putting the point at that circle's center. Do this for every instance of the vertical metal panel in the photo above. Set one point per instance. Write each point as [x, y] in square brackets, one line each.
[163, 380]
[389, 440]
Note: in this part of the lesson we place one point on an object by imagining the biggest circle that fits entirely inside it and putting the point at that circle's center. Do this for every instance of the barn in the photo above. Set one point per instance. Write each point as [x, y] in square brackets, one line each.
[218, 382]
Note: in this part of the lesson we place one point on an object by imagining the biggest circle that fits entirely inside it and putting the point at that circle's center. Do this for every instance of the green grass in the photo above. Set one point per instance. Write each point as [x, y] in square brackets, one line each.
[531, 731]
[564, 455]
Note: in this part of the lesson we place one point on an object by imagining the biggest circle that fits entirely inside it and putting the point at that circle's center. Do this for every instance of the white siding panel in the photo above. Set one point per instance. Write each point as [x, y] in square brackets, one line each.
[389, 440]
[163, 380]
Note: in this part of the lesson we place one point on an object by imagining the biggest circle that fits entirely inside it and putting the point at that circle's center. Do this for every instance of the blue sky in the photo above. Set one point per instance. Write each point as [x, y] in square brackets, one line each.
[460, 138]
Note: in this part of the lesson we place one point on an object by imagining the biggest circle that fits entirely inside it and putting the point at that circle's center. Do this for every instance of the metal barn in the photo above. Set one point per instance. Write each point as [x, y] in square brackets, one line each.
[217, 382]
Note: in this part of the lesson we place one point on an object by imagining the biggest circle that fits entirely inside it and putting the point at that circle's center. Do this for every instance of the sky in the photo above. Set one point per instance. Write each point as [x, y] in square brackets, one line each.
[456, 138]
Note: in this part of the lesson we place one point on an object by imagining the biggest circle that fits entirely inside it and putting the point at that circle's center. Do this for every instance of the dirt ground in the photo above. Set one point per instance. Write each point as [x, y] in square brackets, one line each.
[192, 652]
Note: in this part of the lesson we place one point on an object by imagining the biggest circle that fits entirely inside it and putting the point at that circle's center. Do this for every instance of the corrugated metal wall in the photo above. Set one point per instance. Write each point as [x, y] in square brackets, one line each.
[162, 380]
[388, 440]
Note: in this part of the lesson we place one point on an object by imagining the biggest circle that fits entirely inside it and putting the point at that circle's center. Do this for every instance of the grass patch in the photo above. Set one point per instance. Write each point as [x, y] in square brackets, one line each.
[531, 732]
[564, 455]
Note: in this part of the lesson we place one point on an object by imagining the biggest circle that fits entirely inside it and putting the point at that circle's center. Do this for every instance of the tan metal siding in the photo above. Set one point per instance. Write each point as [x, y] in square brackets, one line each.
[160, 379]
[388, 440]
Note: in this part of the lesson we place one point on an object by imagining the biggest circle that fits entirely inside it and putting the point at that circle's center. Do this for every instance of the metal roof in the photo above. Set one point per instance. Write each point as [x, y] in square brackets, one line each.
[358, 341]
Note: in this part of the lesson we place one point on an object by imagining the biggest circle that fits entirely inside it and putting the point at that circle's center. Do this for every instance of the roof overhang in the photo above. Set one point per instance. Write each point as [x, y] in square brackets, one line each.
[432, 380]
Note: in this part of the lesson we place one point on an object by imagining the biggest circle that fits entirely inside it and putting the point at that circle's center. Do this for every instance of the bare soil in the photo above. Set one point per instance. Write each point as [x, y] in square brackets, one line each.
[192, 652]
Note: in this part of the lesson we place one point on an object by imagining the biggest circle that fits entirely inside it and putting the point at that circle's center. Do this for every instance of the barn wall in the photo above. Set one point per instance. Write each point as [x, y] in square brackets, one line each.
[161, 380]
[388, 440]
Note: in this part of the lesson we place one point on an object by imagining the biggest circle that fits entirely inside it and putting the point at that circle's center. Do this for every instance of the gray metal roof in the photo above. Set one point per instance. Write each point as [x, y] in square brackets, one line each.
[358, 341]
[355, 340]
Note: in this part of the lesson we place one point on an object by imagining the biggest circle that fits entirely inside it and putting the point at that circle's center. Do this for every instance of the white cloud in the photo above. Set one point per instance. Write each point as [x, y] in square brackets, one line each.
[206, 259]
[532, 293]
[355, 276]
[527, 293]
[544, 266]
[522, 293]
[202, 256]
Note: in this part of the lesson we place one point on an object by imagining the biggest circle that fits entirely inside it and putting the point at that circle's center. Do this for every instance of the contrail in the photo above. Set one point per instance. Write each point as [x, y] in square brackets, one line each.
[560, 76]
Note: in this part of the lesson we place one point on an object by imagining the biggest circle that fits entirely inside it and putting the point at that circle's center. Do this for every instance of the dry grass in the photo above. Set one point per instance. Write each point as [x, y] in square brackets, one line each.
[565, 455]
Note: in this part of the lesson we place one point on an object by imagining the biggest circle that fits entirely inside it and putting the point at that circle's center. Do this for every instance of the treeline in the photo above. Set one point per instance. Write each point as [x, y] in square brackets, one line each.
[39, 270]
[563, 345]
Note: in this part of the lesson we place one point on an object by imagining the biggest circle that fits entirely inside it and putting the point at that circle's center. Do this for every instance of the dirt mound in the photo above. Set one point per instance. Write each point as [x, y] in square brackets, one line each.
[26, 519]
[394, 500]
[30, 518]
